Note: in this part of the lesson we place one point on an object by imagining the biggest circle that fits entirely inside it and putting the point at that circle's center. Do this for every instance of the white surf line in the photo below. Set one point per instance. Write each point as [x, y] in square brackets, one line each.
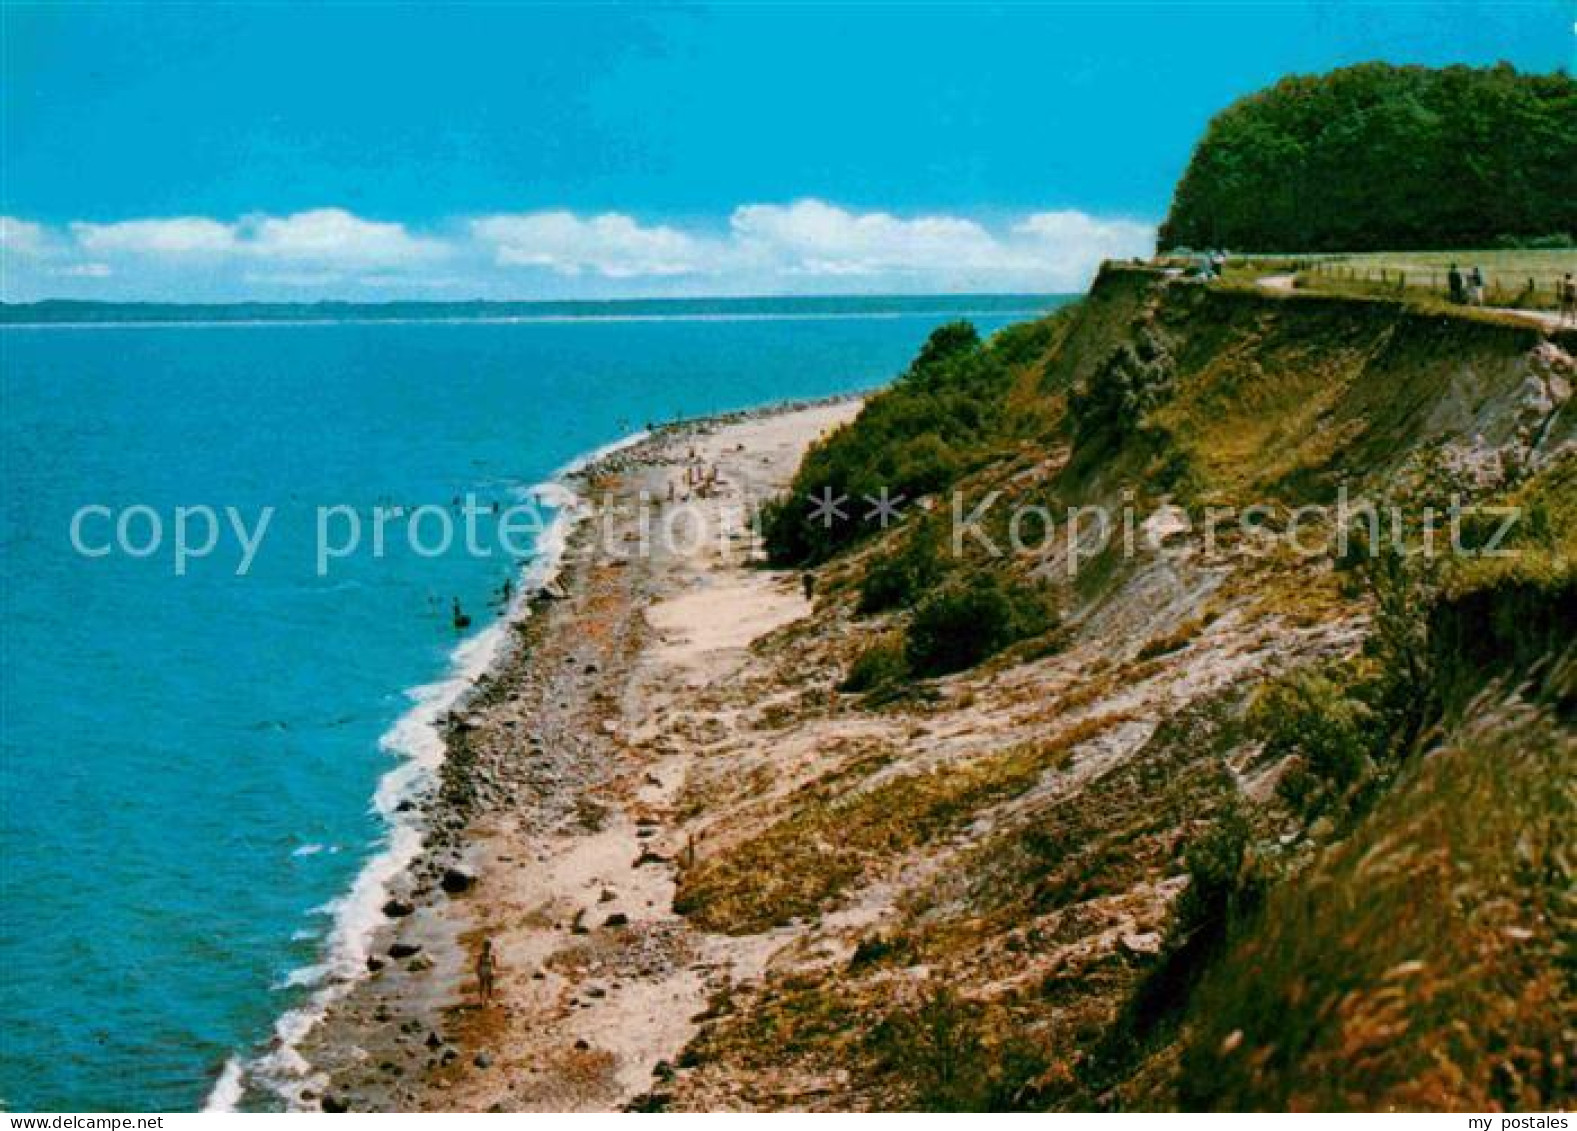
[417, 739]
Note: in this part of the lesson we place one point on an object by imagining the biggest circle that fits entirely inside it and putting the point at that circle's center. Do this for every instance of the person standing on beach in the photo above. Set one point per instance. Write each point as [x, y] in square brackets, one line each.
[486, 970]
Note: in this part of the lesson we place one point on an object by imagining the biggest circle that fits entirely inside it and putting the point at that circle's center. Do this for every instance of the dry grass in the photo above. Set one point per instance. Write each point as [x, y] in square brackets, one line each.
[1424, 963]
[1176, 640]
[828, 840]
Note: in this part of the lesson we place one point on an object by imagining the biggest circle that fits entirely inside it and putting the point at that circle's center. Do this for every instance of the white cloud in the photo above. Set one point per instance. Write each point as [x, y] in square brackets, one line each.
[21, 237]
[612, 244]
[334, 236]
[84, 271]
[815, 238]
[304, 279]
[1080, 241]
[795, 244]
[325, 237]
[1053, 251]
[185, 235]
[1073, 227]
[421, 282]
[802, 246]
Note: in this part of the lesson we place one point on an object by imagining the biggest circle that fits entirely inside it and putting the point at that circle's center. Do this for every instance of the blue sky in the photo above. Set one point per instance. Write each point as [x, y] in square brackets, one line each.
[365, 151]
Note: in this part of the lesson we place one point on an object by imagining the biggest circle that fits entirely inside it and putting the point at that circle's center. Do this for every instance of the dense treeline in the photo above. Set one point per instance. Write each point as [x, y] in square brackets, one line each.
[1384, 158]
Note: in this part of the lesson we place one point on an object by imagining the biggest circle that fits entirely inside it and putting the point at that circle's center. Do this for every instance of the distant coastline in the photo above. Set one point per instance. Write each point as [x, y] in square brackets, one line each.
[73, 312]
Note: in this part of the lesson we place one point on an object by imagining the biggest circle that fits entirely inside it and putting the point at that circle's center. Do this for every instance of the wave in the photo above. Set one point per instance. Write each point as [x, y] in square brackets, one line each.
[229, 1088]
[416, 739]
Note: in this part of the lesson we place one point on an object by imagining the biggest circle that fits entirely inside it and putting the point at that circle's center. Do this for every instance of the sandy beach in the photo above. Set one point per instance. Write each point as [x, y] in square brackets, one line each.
[556, 834]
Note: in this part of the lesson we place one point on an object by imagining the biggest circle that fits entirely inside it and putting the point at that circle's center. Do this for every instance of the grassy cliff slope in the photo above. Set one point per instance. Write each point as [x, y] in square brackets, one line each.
[1202, 820]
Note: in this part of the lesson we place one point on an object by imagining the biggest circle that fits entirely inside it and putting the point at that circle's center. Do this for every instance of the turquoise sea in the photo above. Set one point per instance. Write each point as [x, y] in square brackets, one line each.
[195, 769]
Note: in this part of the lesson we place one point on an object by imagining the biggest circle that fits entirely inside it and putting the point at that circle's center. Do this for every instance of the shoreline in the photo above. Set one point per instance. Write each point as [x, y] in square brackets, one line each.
[403, 798]
[466, 773]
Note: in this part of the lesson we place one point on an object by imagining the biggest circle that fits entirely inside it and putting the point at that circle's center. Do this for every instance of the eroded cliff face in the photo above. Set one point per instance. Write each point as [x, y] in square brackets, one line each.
[1255, 822]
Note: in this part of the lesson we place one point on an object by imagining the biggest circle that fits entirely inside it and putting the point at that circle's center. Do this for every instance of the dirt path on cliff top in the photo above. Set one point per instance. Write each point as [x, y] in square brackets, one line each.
[575, 755]
[1549, 319]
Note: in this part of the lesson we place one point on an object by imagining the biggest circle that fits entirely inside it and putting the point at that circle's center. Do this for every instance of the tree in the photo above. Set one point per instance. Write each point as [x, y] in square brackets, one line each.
[1377, 157]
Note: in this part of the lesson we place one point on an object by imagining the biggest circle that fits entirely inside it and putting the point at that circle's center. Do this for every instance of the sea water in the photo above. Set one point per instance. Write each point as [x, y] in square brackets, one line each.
[197, 769]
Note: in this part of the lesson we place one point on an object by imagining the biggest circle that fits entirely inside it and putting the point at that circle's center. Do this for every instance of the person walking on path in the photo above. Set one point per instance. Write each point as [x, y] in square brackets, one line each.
[486, 971]
[1568, 297]
[1476, 287]
[1454, 284]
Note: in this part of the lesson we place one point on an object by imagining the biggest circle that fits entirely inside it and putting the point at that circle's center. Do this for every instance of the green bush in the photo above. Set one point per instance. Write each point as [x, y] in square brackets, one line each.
[1311, 715]
[1218, 868]
[1024, 343]
[921, 465]
[944, 416]
[955, 1057]
[1405, 694]
[968, 620]
[946, 341]
[1135, 378]
[901, 579]
[880, 666]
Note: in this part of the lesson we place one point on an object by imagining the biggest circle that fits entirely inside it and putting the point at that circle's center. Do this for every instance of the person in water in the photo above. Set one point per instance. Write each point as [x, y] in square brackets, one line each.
[459, 616]
[486, 971]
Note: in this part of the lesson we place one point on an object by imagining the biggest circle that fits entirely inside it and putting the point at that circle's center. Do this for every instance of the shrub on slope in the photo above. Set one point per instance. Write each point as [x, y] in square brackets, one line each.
[946, 414]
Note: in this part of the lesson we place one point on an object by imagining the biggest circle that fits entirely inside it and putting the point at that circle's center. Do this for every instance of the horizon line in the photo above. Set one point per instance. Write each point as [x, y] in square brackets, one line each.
[726, 297]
